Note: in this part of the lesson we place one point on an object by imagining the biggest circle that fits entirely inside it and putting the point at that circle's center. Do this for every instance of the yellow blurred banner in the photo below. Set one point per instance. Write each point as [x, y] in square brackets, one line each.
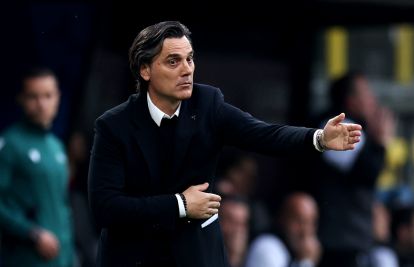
[397, 154]
[404, 54]
[336, 52]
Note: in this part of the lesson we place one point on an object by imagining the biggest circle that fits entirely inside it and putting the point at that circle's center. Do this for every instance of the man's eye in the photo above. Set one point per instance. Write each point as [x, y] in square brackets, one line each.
[172, 61]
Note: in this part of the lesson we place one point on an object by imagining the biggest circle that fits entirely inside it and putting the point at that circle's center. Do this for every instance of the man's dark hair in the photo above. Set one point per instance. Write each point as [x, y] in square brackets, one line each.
[148, 44]
[341, 89]
[35, 72]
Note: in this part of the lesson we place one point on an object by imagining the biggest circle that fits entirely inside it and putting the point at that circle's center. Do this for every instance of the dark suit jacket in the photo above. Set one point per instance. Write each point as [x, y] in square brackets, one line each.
[137, 210]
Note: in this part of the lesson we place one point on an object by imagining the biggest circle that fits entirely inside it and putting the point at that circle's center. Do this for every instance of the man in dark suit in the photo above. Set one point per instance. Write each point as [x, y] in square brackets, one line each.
[165, 140]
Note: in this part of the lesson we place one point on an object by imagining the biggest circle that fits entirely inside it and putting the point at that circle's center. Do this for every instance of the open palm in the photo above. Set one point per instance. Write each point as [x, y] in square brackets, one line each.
[340, 136]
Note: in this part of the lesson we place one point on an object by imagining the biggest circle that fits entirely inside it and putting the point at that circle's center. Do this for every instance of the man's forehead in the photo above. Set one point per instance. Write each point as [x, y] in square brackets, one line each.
[39, 84]
[46, 79]
[177, 46]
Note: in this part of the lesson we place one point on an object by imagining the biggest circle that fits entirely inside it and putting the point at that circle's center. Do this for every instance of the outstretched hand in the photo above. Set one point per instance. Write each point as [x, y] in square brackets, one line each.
[340, 136]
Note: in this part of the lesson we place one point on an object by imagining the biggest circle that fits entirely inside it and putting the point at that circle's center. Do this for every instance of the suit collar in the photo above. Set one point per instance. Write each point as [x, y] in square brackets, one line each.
[157, 114]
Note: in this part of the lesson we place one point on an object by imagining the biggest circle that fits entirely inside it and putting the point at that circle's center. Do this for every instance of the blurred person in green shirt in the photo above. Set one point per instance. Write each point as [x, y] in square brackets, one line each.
[35, 218]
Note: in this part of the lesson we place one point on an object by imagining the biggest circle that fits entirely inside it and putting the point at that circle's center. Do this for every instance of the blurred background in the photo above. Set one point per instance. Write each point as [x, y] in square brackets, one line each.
[273, 60]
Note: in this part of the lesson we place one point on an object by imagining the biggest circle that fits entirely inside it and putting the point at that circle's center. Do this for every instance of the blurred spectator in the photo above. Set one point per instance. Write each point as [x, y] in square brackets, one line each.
[402, 229]
[86, 236]
[398, 196]
[35, 218]
[294, 241]
[238, 177]
[234, 221]
[382, 254]
[346, 181]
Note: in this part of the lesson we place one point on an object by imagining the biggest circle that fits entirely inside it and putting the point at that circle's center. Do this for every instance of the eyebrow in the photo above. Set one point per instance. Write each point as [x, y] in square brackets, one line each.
[175, 55]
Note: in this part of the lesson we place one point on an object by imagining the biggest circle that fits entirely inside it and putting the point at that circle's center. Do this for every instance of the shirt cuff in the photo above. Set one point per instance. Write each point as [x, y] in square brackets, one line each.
[181, 208]
[315, 140]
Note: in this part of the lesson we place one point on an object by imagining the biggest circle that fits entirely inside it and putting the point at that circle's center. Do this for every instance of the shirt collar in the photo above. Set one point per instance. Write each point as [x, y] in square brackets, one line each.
[156, 114]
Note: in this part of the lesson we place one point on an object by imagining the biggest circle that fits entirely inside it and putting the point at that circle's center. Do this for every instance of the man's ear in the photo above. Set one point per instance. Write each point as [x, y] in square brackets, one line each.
[145, 72]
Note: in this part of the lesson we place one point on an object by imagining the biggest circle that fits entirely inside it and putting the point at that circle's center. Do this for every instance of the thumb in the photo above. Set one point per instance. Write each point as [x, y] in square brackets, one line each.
[336, 120]
[201, 187]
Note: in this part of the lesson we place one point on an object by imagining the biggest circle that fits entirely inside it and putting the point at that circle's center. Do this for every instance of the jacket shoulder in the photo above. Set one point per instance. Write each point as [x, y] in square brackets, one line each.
[206, 95]
[118, 113]
[204, 90]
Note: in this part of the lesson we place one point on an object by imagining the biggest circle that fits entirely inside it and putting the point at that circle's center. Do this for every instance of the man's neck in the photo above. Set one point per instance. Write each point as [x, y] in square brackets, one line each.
[165, 105]
[37, 126]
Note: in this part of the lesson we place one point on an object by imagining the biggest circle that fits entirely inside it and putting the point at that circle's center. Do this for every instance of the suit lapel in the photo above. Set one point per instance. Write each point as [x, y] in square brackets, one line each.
[146, 134]
[186, 126]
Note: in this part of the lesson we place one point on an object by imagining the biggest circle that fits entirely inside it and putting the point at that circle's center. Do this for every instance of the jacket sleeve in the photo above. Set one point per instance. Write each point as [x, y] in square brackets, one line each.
[110, 204]
[12, 218]
[238, 128]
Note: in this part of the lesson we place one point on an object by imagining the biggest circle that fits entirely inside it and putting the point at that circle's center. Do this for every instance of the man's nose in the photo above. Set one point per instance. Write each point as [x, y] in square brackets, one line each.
[186, 68]
[42, 102]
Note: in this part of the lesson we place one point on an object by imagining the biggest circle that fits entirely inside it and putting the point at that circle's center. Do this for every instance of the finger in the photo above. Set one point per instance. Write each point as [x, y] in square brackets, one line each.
[201, 187]
[214, 204]
[206, 216]
[349, 146]
[337, 119]
[212, 211]
[214, 197]
[353, 126]
[355, 133]
[353, 140]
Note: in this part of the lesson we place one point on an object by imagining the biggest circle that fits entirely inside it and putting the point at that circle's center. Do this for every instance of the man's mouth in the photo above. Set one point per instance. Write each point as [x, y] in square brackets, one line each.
[185, 83]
